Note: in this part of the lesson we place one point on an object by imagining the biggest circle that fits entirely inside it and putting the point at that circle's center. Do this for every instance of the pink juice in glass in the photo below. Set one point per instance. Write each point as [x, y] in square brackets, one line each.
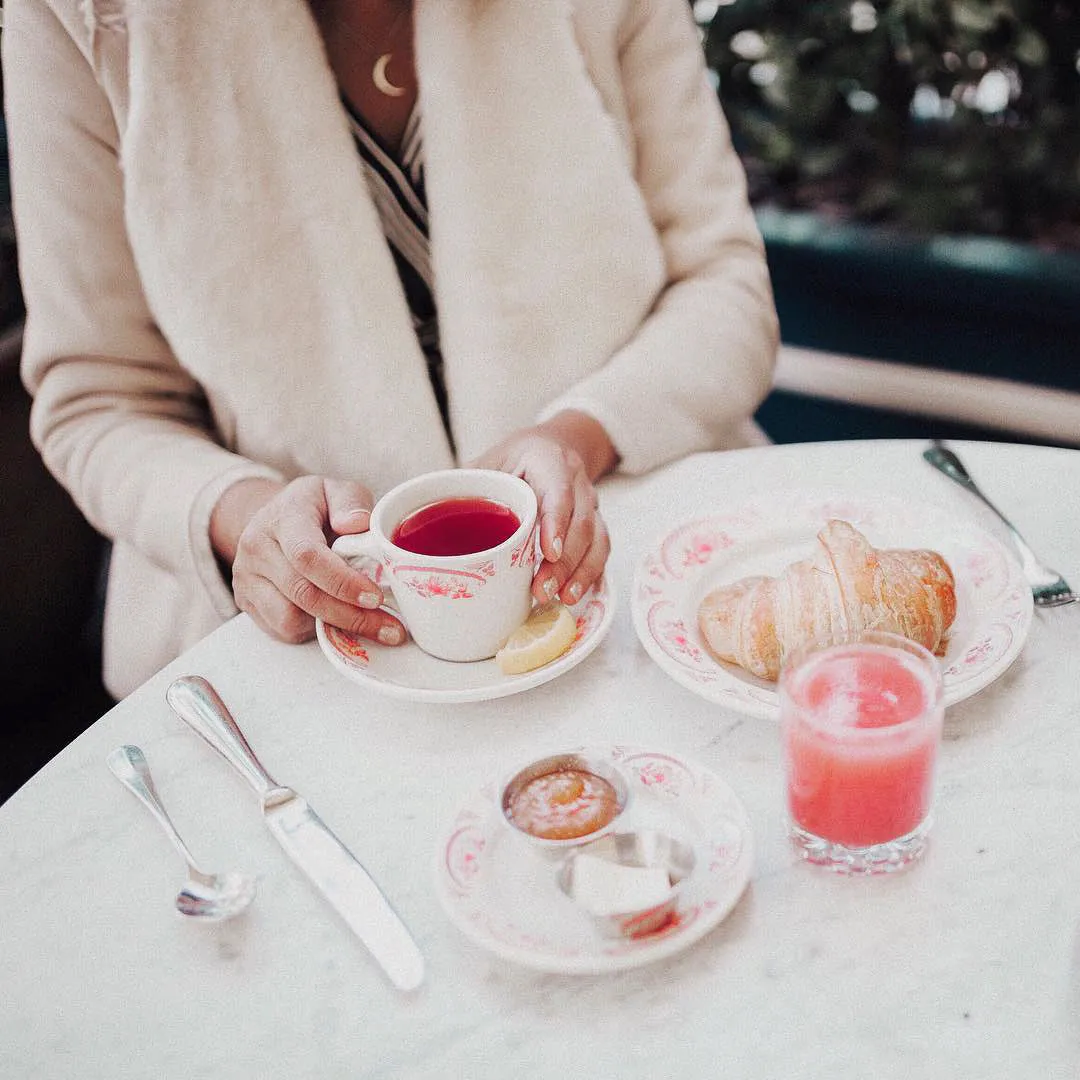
[862, 724]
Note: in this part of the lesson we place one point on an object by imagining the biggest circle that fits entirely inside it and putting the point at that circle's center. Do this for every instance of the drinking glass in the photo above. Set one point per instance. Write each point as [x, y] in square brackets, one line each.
[861, 721]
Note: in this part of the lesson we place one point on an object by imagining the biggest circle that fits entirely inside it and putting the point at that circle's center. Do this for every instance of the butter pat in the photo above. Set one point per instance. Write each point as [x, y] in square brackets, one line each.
[607, 888]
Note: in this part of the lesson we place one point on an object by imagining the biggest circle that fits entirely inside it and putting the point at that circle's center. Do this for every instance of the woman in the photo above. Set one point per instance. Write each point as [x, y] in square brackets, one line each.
[232, 347]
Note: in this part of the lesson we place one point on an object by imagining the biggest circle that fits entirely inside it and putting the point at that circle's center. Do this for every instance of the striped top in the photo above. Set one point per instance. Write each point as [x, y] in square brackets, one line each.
[397, 188]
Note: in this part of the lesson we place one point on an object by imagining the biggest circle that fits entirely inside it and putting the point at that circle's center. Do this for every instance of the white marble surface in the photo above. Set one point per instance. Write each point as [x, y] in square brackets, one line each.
[966, 966]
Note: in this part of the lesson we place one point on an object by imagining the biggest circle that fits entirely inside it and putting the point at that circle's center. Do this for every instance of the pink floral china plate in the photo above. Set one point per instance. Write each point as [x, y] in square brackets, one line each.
[994, 603]
[407, 672]
[504, 896]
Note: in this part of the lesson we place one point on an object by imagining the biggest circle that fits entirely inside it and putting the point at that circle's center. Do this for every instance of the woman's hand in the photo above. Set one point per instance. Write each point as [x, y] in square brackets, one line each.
[276, 538]
[560, 459]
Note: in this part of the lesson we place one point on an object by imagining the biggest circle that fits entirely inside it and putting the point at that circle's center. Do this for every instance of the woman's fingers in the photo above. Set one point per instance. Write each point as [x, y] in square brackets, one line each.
[590, 567]
[286, 576]
[309, 572]
[585, 548]
[287, 621]
[268, 608]
[348, 506]
[551, 475]
[315, 571]
[573, 538]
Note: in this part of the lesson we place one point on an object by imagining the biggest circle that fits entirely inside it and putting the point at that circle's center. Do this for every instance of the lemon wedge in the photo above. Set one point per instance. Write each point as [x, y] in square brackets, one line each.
[544, 636]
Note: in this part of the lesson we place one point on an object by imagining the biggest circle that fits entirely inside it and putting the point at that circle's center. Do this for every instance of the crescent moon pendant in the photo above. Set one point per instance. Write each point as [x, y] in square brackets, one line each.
[379, 77]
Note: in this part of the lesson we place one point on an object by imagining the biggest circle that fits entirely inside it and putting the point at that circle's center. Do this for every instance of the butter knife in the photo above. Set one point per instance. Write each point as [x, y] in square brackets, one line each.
[329, 865]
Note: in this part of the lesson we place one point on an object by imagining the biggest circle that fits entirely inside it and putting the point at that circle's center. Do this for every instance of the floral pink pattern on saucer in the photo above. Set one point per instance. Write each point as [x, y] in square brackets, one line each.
[407, 672]
[994, 604]
[503, 897]
[352, 649]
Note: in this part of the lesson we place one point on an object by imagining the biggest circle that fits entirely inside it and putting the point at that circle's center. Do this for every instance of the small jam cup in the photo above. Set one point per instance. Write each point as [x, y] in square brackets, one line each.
[642, 850]
[580, 760]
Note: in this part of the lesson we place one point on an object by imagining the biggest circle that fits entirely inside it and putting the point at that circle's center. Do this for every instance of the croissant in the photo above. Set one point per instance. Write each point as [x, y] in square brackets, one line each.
[847, 587]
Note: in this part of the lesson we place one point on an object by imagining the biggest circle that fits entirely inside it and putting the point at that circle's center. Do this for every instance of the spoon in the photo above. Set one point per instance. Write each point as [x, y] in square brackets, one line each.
[203, 896]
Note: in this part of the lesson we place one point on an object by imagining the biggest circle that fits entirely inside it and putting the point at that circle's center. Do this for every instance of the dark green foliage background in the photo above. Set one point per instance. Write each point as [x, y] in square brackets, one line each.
[1013, 173]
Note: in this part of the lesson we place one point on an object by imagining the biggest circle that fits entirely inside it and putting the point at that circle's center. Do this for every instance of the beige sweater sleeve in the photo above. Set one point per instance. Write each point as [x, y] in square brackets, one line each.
[709, 345]
[117, 420]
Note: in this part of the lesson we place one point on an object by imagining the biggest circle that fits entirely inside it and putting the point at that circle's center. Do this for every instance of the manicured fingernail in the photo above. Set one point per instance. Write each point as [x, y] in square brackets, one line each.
[574, 592]
[390, 635]
[549, 587]
[370, 600]
[556, 546]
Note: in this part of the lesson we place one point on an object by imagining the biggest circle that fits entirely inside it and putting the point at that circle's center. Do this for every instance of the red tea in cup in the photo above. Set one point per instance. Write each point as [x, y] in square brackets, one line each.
[458, 526]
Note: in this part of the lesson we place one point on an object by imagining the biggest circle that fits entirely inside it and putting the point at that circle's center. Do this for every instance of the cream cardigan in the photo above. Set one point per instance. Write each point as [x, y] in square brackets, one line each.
[210, 296]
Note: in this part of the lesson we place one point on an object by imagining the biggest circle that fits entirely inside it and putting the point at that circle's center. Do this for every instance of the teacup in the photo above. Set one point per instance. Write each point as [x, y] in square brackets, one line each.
[457, 549]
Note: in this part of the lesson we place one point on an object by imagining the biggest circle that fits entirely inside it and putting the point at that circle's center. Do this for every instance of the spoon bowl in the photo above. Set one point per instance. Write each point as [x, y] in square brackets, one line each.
[215, 896]
[210, 897]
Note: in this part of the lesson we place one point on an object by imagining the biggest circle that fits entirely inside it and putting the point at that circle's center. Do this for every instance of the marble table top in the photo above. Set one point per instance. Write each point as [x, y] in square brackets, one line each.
[966, 965]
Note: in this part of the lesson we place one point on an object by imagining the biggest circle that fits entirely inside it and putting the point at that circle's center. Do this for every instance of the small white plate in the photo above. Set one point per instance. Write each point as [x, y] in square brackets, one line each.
[994, 602]
[407, 672]
[503, 895]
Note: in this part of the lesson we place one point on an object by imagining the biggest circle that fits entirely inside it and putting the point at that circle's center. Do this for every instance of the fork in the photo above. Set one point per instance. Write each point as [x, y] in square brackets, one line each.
[1048, 587]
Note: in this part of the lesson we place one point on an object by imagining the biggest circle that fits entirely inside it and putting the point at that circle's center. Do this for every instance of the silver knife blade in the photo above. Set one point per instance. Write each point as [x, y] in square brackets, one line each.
[307, 840]
[344, 882]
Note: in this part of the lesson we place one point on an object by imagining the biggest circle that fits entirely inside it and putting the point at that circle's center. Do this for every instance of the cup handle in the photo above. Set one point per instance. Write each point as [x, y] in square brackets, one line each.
[361, 551]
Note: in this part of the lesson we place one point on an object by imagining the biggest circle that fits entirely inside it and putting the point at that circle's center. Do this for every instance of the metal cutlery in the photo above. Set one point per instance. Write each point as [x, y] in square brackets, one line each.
[203, 896]
[327, 863]
[1048, 587]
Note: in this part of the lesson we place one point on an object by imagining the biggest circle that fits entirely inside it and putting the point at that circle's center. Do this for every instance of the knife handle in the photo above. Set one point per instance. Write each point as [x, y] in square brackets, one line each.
[197, 703]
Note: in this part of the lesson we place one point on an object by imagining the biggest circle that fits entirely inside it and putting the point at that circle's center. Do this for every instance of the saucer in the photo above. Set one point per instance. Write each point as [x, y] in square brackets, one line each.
[506, 898]
[994, 606]
[407, 672]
